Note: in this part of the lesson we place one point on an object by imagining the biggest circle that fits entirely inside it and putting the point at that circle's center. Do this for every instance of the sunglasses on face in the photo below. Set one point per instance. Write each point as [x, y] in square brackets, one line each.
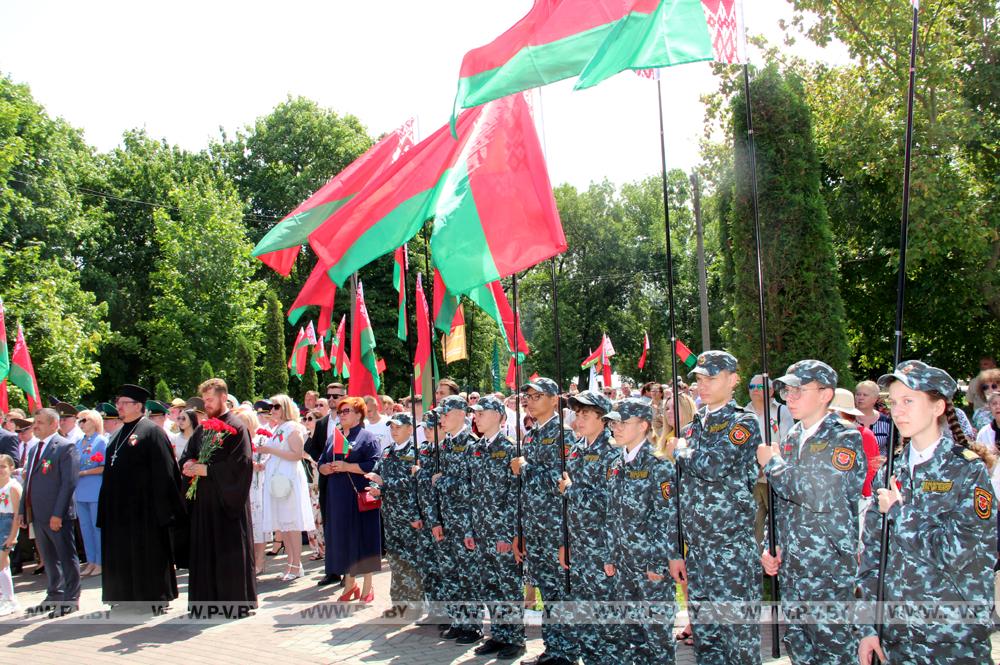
[345, 412]
[333, 396]
[275, 407]
[756, 386]
[309, 419]
[991, 386]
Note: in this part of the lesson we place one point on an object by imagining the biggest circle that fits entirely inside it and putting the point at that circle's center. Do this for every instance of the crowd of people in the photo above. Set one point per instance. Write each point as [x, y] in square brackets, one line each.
[597, 504]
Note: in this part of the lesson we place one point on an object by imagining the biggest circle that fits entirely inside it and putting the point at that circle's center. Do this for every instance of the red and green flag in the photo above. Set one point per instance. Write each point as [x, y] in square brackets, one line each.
[4, 362]
[364, 379]
[339, 445]
[422, 371]
[685, 354]
[341, 361]
[645, 350]
[487, 191]
[279, 248]
[663, 33]
[319, 291]
[22, 372]
[319, 360]
[300, 352]
[446, 305]
[491, 299]
[399, 282]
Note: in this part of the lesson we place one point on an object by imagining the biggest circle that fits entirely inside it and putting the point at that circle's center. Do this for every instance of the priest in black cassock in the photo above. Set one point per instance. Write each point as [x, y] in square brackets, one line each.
[221, 583]
[140, 502]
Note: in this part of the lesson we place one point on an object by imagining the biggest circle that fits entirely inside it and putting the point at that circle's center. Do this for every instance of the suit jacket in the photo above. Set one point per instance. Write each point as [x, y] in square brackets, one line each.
[9, 445]
[52, 481]
[317, 443]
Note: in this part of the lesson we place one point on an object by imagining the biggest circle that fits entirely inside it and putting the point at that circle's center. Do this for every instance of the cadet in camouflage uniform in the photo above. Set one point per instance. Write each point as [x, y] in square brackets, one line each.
[718, 471]
[542, 522]
[452, 485]
[432, 550]
[401, 519]
[500, 583]
[641, 537]
[586, 485]
[942, 534]
[817, 473]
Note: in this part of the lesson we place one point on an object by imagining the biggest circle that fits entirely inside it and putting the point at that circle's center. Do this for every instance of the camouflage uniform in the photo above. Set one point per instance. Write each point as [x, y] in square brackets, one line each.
[817, 485]
[453, 497]
[542, 523]
[718, 472]
[500, 584]
[431, 551]
[641, 537]
[942, 545]
[403, 543]
[588, 466]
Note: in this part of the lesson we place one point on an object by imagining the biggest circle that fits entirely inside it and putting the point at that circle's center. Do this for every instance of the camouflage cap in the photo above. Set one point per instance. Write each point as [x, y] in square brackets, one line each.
[431, 418]
[807, 371]
[918, 375]
[401, 419]
[711, 363]
[542, 385]
[490, 403]
[591, 398]
[631, 407]
[452, 403]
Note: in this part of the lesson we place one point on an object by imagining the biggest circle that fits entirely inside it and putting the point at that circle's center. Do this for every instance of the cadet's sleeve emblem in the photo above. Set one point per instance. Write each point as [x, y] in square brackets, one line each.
[739, 435]
[665, 490]
[984, 503]
[843, 459]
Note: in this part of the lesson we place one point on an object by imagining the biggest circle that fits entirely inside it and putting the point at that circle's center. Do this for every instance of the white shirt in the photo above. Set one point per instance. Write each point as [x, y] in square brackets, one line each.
[630, 455]
[807, 433]
[7, 500]
[75, 434]
[918, 457]
[781, 419]
[380, 431]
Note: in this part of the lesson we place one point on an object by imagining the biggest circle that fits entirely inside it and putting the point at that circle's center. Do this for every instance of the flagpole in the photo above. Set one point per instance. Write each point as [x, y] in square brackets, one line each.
[517, 412]
[670, 309]
[434, 367]
[411, 346]
[883, 559]
[562, 431]
[772, 535]
[468, 346]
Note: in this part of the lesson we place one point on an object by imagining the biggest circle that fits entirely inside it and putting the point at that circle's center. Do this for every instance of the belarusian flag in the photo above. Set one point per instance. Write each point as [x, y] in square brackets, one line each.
[488, 193]
[364, 372]
[495, 367]
[300, 351]
[645, 348]
[4, 362]
[492, 300]
[341, 362]
[22, 372]
[685, 354]
[662, 33]
[280, 246]
[339, 445]
[453, 342]
[445, 305]
[319, 360]
[399, 281]
[422, 374]
[320, 291]
[554, 41]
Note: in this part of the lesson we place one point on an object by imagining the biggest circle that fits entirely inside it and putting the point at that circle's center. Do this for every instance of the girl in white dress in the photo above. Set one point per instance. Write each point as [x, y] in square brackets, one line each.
[287, 509]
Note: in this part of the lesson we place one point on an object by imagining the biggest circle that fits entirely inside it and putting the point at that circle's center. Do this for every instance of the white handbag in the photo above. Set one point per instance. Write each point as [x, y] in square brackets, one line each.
[279, 487]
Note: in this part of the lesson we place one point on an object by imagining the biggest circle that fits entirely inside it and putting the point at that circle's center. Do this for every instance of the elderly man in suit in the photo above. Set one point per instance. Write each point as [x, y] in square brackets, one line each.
[52, 472]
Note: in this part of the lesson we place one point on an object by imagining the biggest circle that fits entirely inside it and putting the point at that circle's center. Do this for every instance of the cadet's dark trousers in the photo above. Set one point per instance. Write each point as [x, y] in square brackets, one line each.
[649, 627]
[962, 645]
[429, 560]
[502, 591]
[595, 595]
[550, 578]
[62, 567]
[460, 578]
[722, 579]
[810, 640]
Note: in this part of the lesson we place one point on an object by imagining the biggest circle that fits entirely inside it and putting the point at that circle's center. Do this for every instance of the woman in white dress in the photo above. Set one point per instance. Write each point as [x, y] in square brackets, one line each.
[259, 438]
[287, 509]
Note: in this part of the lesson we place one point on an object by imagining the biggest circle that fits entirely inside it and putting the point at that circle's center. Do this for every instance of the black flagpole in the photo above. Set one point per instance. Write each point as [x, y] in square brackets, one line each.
[670, 308]
[772, 535]
[562, 432]
[517, 411]
[883, 559]
[434, 367]
[411, 348]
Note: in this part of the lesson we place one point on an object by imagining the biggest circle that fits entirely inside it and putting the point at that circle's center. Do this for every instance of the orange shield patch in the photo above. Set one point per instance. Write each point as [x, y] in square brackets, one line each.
[984, 503]
[843, 459]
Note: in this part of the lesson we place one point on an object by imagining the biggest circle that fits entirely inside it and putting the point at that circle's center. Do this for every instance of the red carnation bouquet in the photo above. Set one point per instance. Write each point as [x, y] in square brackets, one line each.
[219, 431]
[97, 458]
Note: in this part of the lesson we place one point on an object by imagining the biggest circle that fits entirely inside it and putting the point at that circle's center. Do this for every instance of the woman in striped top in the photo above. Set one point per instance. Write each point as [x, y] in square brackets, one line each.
[865, 397]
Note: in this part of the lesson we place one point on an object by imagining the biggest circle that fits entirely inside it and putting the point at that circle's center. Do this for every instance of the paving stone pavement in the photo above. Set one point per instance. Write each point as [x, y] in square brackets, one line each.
[276, 631]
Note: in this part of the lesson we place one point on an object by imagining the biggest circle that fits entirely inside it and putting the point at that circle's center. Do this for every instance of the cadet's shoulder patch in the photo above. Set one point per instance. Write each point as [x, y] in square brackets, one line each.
[739, 435]
[843, 459]
[936, 486]
[965, 453]
[984, 503]
[665, 490]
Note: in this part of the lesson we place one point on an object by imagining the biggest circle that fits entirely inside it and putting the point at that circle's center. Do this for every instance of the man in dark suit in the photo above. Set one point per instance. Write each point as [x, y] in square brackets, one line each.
[319, 442]
[9, 445]
[52, 472]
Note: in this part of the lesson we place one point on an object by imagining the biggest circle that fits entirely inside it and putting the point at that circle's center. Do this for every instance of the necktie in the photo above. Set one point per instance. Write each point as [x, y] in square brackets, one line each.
[31, 474]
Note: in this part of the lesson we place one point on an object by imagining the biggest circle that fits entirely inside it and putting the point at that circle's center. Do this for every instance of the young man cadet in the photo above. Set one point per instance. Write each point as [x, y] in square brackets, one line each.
[718, 470]
[817, 473]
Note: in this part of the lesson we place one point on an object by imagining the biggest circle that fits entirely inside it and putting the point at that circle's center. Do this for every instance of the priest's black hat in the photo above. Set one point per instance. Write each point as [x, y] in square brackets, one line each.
[134, 393]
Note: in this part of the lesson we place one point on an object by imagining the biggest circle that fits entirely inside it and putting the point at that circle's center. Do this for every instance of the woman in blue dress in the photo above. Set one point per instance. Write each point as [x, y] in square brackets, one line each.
[353, 538]
[91, 449]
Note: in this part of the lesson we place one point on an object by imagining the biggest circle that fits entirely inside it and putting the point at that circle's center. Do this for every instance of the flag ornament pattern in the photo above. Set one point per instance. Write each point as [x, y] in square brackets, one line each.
[399, 267]
[338, 350]
[22, 372]
[320, 291]
[364, 379]
[422, 373]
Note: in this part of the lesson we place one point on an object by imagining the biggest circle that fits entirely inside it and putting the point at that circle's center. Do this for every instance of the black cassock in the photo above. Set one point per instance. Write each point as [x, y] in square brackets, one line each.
[221, 557]
[139, 504]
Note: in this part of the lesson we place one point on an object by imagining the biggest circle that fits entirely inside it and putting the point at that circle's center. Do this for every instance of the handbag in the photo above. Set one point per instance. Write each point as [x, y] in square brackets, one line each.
[366, 501]
[279, 486]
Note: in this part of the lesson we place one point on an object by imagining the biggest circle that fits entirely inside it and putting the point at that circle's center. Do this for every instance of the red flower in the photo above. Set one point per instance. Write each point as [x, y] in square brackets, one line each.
[264, 432]
[216, 425]
[97, 458]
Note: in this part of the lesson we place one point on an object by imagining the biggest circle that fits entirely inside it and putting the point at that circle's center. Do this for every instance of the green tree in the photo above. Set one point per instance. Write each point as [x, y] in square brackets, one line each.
[309, 381]
[274, 373]
[205, 372]
[163, 392]
[243, 372]
[805, 313]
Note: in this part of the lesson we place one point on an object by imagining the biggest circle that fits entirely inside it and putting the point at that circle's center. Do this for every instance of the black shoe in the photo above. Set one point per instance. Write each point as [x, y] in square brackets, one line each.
[488, 647]
[39, 570]
[62, 611]
[15, 569]
[511, 651]
[453, 633]
[277, 551]
[469, 637]
[328, 579]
